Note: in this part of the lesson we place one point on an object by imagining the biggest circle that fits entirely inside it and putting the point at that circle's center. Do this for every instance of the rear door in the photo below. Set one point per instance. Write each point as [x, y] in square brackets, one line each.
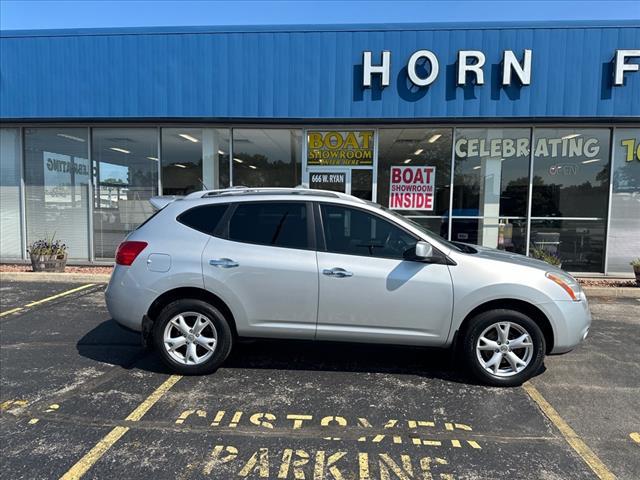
[369, 291]
[262, 262]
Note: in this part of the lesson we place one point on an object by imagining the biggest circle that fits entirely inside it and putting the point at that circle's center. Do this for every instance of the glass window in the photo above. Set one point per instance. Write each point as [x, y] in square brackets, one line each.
[416, 147]
[570, 180]
[624, 224]
[362, 183]
[491, 184]
[512, 233]
[278, 224]
[204, 218]
[57, 187]
[570, 173]
[491, 172]
[125, 177]
[267, 157]
[354, 232]
[194, 159]
[579, 244]
[10, 236]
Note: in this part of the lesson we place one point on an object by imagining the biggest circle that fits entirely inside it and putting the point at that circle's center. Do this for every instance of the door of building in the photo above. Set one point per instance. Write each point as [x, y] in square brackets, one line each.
[341, 161]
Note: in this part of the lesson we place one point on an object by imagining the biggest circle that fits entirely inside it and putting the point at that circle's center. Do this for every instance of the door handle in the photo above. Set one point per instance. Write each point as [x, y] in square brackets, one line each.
[337, 272]
[223, 263]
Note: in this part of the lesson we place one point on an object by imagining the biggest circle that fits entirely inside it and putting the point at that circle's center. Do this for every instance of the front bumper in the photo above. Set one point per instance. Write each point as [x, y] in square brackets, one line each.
[570, 322]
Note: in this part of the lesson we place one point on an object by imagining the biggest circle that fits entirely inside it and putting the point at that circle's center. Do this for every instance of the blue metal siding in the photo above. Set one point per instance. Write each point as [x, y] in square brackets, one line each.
[308, 74]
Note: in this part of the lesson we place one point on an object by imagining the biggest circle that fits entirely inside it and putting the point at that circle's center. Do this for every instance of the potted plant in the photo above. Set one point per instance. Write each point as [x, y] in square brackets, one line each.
[636, 269]
[542, 254]
[48, 255]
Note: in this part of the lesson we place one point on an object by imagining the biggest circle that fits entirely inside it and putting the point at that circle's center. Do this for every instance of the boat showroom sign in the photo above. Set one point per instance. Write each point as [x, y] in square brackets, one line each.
[470, 65]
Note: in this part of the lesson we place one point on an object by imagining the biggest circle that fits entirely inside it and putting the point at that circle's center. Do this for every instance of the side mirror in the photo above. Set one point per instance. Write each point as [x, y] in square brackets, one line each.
[424, 250]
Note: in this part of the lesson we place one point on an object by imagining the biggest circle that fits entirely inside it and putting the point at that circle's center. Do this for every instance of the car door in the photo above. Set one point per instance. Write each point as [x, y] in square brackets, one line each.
[369, 291]
[263, 264]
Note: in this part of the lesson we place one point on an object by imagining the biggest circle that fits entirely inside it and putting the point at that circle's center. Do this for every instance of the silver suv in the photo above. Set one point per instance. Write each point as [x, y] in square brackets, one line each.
[216, 266]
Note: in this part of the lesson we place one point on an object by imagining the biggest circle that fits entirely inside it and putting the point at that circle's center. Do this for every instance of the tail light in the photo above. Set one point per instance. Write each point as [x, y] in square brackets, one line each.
[128, 251]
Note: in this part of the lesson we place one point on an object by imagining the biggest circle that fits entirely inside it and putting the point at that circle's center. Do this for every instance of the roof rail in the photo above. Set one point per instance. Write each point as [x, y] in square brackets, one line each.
[269, 191]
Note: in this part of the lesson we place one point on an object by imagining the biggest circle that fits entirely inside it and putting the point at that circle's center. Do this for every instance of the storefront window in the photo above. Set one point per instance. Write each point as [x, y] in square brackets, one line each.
[194, 159]
[10, 237]
[578, 244]
[570, 173]
[570, 182]
[57, 175]
[624, 224]
[267, 157]
[125, 177]
[400, 151]
[490, 188]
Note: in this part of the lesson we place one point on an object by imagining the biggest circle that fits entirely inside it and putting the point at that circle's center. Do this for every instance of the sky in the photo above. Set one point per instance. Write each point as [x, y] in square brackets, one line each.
[53, 14]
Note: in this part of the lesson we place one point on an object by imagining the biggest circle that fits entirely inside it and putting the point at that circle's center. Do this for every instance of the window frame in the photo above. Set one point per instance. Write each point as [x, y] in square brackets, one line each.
[321, 236]
[222, 230]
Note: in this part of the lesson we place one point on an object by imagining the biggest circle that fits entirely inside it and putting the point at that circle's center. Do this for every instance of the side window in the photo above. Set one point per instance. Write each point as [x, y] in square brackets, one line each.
[204, 218]
[278, 224]
[354, 232]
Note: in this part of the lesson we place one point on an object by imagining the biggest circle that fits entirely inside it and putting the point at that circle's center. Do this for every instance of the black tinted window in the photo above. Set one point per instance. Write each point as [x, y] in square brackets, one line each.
[355, 232]
[204, 218]
[281, 224]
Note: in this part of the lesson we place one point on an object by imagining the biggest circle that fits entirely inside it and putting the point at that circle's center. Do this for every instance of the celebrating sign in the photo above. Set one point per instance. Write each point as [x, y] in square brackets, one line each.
[412, 188]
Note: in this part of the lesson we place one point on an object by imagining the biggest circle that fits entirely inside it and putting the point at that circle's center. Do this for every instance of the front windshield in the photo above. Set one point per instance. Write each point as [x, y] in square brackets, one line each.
[420, 227]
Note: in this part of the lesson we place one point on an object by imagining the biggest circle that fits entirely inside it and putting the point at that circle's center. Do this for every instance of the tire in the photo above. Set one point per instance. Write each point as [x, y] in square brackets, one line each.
[205, 356]
[491, 359]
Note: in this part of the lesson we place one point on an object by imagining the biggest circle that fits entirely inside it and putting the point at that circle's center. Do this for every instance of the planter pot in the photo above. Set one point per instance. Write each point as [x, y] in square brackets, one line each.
[48, 263]
[636, 270]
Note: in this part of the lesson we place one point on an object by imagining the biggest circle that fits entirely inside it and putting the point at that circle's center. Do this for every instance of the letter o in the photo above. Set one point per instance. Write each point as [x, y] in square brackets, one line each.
[328, 140]
[411, 68]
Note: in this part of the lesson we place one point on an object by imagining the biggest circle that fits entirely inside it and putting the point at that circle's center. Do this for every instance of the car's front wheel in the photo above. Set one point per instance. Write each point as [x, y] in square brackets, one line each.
[192, 337]
[503, 347]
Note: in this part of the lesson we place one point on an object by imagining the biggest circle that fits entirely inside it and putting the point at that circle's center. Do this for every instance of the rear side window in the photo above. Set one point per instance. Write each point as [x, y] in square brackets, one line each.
[204, 218]
[278, 224]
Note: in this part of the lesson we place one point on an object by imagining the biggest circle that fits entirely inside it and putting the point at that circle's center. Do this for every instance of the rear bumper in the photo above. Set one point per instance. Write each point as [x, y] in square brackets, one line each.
[127, 301]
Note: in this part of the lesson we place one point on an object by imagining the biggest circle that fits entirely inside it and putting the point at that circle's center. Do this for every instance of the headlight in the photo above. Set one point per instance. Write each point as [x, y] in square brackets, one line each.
[567, 282]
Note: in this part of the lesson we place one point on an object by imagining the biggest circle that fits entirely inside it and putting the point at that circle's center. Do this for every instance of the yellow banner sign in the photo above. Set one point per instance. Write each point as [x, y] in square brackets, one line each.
[346, 148]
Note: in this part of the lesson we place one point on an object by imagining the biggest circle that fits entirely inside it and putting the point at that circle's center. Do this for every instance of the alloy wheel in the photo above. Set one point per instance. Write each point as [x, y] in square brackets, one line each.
[504, 349]
[190, 338]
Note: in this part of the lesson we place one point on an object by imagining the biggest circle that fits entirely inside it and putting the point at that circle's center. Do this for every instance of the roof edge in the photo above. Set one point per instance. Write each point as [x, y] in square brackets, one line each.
[213, 29]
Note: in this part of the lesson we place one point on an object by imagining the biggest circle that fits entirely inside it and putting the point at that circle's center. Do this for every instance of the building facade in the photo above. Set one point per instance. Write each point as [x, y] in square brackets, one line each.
[519, 137]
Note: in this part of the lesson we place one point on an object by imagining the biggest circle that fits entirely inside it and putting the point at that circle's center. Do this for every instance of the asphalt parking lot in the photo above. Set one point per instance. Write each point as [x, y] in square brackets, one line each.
[79, 397]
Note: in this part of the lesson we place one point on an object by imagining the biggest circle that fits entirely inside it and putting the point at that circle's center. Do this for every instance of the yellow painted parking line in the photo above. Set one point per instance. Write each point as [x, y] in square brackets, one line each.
[59, 295]
[8, 312]
[86, 462]
[635, 436]
[572, 438]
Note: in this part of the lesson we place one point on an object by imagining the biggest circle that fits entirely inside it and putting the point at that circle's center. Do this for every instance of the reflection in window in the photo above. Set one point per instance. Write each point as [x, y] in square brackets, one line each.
[267, 157]
[624, 224]
[418, 147]
[10, 236]
[578, 244]
[570, 173]
[125, 177]
[491, 182]
[194, 159]
[570, 179]
[57, 187]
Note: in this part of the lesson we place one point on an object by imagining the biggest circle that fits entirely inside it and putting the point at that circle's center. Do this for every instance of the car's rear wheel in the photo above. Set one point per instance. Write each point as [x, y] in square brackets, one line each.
[503, 347]
[192, 337]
